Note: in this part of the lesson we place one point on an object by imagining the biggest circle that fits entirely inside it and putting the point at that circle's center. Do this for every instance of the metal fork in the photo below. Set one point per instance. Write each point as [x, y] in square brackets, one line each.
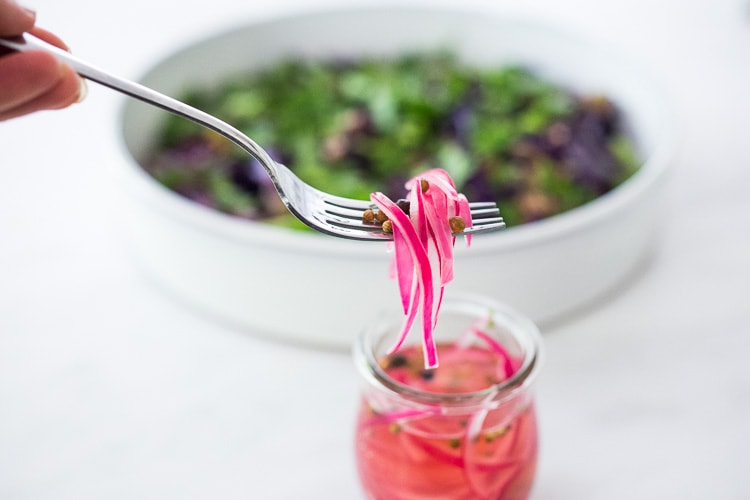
[324, 212]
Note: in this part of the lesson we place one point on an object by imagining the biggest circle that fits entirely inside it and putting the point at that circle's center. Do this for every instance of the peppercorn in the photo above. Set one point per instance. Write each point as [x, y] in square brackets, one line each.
[397, 361]
[457, 224]
[404, 205]
[424, 185]
[387, 226]
[380, 217]
[368, 216]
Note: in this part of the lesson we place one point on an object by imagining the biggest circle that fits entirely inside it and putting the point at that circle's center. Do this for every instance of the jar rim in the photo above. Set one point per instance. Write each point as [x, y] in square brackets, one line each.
[519, 326]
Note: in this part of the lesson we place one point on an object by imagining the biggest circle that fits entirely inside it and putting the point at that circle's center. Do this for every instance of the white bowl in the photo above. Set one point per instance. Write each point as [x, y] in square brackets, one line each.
[321, 290]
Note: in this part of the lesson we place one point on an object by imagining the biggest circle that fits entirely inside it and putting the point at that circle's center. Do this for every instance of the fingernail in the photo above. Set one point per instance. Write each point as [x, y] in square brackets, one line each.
[83, 90]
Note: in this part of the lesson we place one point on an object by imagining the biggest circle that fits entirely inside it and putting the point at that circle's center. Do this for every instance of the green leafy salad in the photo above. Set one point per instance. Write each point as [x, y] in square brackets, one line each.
[352, 127]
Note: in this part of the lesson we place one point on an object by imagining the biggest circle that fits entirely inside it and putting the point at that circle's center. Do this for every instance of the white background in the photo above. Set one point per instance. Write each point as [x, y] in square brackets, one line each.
[110, 389]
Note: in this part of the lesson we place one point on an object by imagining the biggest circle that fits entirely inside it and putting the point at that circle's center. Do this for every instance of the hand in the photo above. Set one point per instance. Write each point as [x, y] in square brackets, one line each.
[33, 81]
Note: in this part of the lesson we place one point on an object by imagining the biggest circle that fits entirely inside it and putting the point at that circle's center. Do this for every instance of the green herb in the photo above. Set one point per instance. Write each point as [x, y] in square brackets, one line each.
[354, 127]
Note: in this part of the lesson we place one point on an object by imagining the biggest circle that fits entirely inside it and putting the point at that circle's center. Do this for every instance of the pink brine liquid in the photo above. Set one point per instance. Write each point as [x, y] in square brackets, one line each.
[409, 452]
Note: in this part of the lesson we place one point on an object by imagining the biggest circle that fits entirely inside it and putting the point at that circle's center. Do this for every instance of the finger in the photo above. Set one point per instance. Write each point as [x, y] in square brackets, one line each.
[15, 19]
[43, 35]
[55, 40]
[24, 76]
[35, 81]
[48, 37]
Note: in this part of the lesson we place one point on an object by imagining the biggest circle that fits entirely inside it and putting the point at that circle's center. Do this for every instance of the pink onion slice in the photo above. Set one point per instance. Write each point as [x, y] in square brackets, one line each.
[510, 364]
[421, 291]
[423, 250]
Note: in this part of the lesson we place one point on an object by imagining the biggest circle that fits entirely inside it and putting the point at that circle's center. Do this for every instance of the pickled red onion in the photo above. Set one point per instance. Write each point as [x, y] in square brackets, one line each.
[423, 250]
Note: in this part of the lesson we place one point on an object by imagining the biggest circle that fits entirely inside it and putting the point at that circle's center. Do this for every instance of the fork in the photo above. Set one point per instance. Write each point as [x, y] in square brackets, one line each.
[324, 212]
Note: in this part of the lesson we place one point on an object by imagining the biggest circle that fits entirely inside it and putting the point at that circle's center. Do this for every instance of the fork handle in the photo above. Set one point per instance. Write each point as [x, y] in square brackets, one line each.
[28, 42]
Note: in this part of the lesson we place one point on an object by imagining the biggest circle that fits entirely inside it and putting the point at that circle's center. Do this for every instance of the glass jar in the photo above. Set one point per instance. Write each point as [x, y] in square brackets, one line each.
[466, 429]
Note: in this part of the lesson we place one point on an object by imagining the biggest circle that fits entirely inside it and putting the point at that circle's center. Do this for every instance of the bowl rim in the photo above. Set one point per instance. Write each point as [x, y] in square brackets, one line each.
[563, 225]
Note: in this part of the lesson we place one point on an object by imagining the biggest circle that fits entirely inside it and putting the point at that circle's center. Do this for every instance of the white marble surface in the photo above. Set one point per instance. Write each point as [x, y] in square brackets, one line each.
[110, 389]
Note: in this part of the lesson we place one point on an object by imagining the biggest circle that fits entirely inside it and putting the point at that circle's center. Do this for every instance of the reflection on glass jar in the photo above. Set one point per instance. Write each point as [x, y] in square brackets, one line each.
[464, 430]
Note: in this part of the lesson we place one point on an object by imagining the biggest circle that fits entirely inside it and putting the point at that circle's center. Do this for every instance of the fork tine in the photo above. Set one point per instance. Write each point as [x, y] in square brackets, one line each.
[480, 228]
[484, 212]
[487, 222]
[348, 203]
[361, 205]
[371, 231]
[353, 220]
[344, 212]
[354, 209]
[482, 204]
[350, 222]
